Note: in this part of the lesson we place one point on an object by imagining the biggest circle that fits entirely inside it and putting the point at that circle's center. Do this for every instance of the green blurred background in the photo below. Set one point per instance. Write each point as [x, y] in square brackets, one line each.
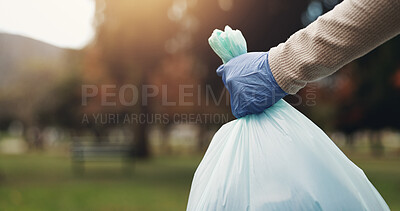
[163, 43]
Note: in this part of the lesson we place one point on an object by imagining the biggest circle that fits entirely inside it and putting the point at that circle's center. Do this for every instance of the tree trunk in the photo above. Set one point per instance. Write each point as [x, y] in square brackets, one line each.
[350, 141]
[376, 144]
[140, 135]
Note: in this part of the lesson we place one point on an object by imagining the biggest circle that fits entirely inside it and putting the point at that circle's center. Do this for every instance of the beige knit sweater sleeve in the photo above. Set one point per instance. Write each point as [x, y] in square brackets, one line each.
[349, 31]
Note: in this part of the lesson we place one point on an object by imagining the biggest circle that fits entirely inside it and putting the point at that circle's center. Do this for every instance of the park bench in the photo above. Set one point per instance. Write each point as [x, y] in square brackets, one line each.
[101, 151]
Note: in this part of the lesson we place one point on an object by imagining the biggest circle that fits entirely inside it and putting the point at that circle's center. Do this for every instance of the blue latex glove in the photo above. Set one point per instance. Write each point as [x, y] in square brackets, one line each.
[250, 83]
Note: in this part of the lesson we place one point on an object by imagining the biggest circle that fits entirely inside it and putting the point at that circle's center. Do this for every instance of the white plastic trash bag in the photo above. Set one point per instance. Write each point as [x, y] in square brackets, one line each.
[276, 160]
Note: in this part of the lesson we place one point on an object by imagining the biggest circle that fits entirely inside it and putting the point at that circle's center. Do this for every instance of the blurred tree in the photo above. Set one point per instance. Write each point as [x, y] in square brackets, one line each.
[375, 101]
[128, 45]
[63, 100]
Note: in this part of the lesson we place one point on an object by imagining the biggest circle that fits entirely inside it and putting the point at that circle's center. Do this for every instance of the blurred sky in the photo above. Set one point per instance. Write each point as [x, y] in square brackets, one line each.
[63, 23]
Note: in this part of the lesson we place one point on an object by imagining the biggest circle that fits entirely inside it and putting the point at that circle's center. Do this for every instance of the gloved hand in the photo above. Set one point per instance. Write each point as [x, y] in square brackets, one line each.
[251, 85]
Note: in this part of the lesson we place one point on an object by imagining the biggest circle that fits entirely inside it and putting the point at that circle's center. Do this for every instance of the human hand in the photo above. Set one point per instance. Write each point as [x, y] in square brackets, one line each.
[251, 85]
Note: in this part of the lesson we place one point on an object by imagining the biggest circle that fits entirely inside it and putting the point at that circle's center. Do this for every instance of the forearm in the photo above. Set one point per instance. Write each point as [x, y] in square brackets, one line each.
[349, 31]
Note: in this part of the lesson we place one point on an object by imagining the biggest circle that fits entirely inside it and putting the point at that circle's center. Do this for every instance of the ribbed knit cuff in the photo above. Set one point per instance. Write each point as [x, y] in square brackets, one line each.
[284, 71]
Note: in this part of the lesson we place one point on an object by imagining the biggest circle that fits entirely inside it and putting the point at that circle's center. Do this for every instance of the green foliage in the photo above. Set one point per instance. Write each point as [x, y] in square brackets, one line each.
[61, 106]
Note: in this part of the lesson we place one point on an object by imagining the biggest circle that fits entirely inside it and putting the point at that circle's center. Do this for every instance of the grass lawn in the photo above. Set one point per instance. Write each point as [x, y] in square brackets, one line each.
[39, 182]
[44, 182]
